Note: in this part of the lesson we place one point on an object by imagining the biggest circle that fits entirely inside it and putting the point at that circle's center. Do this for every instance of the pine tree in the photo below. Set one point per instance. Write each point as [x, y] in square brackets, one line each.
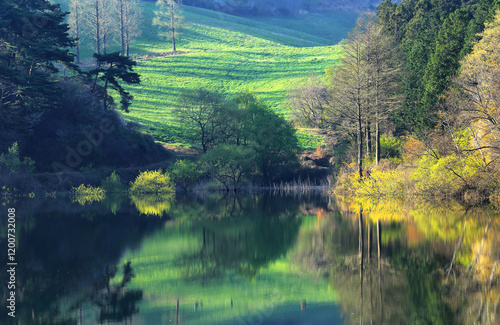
[110, 69]
[444, 61]
[33, 38]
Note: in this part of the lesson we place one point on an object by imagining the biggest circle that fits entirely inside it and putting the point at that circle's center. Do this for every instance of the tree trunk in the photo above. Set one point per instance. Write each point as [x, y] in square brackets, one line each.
[173, 26]
[377, 140]
[360, 143]
[77, 31]
[122, 29]
[368, 140]
[104, 27]
[97, 28]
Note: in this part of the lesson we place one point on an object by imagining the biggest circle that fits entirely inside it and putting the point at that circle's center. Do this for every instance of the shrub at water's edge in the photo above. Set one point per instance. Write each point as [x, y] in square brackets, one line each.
[152, 182]
[84, 194]
[425, 174]
[185, 173]
[113, 184]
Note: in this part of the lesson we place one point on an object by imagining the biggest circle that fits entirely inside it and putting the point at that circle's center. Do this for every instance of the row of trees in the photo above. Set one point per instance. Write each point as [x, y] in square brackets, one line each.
[397, 67]
[360, 93]
[104, 22]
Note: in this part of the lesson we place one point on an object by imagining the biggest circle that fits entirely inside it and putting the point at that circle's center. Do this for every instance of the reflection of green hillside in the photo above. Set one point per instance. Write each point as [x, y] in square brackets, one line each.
[213, 262]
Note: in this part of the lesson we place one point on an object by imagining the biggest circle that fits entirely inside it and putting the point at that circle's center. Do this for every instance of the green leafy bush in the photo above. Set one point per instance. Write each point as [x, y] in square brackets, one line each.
[390, 147]
[185, 173]
[228, 164]
[152, 182]
[13, 162]
[113, 184]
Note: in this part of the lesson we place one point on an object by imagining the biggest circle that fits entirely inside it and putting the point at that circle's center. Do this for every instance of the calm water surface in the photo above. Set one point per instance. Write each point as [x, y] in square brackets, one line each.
[261, 259]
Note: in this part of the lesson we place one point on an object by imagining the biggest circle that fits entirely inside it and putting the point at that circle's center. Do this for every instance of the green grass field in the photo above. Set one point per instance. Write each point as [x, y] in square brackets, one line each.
[268, 56]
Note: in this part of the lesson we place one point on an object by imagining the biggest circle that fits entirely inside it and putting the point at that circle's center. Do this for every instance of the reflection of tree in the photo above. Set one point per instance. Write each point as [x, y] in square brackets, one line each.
[115, 303]
[155, 205]
[452, 269]
[399, 286]
[474, 290]
[63, 254]
[244, 244]
[113, 201]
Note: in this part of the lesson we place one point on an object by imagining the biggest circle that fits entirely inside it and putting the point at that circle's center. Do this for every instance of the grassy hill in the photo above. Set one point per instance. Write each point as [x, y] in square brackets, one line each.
[266, 55]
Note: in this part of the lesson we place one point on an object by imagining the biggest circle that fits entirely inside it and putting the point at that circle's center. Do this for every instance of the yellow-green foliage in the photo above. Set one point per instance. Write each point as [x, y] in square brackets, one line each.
[152, 182]
[380, 183]
[435, 176]
[155, 205]
[87, 194]
[390, 147]
[428, 176]
[449, 175]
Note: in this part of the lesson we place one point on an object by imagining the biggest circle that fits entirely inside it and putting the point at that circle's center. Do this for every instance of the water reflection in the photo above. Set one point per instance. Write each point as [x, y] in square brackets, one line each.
[153, 205]
[433, 257]
[224, 259]
[65, 254]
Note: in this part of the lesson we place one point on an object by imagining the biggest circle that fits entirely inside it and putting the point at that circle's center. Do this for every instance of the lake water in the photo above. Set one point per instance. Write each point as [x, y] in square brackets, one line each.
[259, 259]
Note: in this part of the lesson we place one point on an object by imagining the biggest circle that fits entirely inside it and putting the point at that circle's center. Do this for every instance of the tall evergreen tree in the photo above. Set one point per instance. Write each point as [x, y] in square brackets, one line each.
[444, 61]
[33, 38]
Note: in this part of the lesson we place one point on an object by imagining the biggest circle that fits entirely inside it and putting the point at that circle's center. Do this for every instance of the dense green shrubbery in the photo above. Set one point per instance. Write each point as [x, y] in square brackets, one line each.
[229, 164]
[152, 182]
[113, 184]
[13, 162]
[185, 173]
[243, 123]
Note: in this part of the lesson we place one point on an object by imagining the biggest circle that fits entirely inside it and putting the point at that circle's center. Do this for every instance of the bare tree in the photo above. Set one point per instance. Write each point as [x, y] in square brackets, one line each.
[75, 21]
[202, 113]
[384, 72]
[310, 102]
[107, 21]
[98, 20]
[349, 84]
[169, 19]
[364, 87]
[130, 18]
[92, 15]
